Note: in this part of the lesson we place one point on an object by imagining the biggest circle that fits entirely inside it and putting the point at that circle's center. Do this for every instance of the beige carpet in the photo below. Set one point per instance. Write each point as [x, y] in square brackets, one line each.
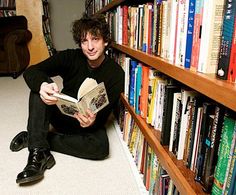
[70, 175]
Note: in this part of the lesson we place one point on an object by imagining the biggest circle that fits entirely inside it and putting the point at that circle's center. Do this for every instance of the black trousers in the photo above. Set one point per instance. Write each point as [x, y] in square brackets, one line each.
[69, 138]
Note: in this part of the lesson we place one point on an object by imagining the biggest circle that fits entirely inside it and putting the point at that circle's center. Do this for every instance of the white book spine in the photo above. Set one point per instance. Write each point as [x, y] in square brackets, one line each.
[175, 97]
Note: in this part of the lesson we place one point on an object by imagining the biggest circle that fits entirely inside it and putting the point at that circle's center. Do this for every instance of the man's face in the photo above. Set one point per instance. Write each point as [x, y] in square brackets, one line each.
[93, 48]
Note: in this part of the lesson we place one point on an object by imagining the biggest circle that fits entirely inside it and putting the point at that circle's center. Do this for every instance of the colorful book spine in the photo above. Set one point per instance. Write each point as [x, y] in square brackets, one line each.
[212, 142]
[133, 65]
[189, 39]
[125, 25]
[223, 155]
[138, 88]
[196, 34]
[226, 40]
[232, 62]
[144, 92]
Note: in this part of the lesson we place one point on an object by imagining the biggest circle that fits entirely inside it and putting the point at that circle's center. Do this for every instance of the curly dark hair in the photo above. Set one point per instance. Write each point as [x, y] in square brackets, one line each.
[95, 24]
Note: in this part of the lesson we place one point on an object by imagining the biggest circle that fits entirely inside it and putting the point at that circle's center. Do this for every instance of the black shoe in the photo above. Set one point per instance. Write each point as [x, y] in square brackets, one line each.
[19, 142]
[38, 161]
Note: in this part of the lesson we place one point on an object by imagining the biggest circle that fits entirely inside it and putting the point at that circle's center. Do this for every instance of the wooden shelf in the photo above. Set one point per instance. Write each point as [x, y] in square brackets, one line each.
[110, 6]
[8, 8]
[183, 177]
[221, 91]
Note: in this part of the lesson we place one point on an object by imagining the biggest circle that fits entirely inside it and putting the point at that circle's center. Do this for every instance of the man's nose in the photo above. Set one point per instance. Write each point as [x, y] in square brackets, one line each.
[90, 45]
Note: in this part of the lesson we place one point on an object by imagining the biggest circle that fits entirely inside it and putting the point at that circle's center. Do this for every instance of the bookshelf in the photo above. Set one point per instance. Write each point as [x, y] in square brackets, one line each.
[208, 85]
[47, 28]
[7, 8]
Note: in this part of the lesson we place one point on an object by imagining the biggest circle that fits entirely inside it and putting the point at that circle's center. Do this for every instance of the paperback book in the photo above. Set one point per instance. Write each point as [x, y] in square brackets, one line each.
[91, 95]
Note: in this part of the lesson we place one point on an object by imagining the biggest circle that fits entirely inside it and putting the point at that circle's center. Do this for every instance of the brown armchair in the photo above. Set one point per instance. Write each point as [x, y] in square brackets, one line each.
[14, 52]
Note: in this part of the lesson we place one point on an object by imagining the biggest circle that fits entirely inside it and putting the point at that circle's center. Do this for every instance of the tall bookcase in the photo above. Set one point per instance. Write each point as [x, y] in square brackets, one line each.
[220, 91]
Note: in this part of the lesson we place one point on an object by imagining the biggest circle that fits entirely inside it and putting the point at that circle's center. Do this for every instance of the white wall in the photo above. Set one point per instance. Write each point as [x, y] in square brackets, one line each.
[62, 14]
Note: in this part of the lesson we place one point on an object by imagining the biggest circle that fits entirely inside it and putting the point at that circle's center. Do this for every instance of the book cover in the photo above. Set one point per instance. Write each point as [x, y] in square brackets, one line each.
[226, 39]
[223, 155]
[90, 96]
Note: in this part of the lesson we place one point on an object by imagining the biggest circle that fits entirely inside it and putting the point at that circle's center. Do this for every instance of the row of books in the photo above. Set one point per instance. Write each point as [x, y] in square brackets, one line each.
[155, 178]
[195, 34]
[7, 3]
[47, 28]
[93, 6]
[190, 124]
[7, 13]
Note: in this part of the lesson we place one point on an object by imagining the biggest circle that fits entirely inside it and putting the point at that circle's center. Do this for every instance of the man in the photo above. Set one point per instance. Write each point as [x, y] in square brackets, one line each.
[83, 136]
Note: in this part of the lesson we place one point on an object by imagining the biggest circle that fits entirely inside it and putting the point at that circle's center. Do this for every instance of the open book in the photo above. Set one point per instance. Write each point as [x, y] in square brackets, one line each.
[91, 95]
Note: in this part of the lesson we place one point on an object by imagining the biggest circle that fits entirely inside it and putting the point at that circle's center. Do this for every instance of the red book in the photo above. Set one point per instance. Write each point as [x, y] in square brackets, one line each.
[144, 91]
[232, 62]
[125, 25]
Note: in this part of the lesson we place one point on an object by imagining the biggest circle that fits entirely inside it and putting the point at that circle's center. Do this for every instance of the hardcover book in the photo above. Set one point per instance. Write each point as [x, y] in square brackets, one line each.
[91, 96]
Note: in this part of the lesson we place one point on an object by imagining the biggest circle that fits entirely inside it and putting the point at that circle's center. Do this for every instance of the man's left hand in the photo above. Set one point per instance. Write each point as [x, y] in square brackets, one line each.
[86, 120]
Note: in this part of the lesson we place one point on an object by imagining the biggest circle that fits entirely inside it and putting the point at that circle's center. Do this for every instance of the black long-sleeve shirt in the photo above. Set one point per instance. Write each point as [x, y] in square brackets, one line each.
[73, 67]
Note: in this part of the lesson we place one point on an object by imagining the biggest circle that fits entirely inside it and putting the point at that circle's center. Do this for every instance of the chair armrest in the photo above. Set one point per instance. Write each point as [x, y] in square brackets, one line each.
[15, 46]
[19, 36]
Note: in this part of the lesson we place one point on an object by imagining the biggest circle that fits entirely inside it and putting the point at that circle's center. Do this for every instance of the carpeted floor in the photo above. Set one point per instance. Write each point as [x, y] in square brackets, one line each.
[70, 175]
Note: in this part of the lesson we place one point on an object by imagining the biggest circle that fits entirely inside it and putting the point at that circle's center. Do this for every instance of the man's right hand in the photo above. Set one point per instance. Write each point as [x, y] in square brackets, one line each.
[46, 92]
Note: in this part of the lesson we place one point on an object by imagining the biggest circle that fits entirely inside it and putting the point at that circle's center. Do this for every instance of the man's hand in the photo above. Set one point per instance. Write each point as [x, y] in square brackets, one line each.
[85, 120]
[46, 91]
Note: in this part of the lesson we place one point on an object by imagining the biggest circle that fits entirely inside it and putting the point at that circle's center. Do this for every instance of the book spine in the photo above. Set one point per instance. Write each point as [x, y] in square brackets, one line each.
[133, 66]
[223, 155]
[226, 39]
[232, 62]
[208, 109]
[167, 112]
[189, 39]
[196, 34]
[212, 142]
[125, 25]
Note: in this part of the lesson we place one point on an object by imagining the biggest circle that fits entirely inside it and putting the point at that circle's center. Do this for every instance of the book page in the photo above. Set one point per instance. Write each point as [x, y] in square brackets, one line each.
[66, 104]
[95, 100]
[86, 86]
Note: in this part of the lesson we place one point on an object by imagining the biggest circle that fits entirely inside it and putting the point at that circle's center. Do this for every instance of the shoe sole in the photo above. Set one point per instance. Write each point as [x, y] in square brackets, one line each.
[14, 139]
[50, 163]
